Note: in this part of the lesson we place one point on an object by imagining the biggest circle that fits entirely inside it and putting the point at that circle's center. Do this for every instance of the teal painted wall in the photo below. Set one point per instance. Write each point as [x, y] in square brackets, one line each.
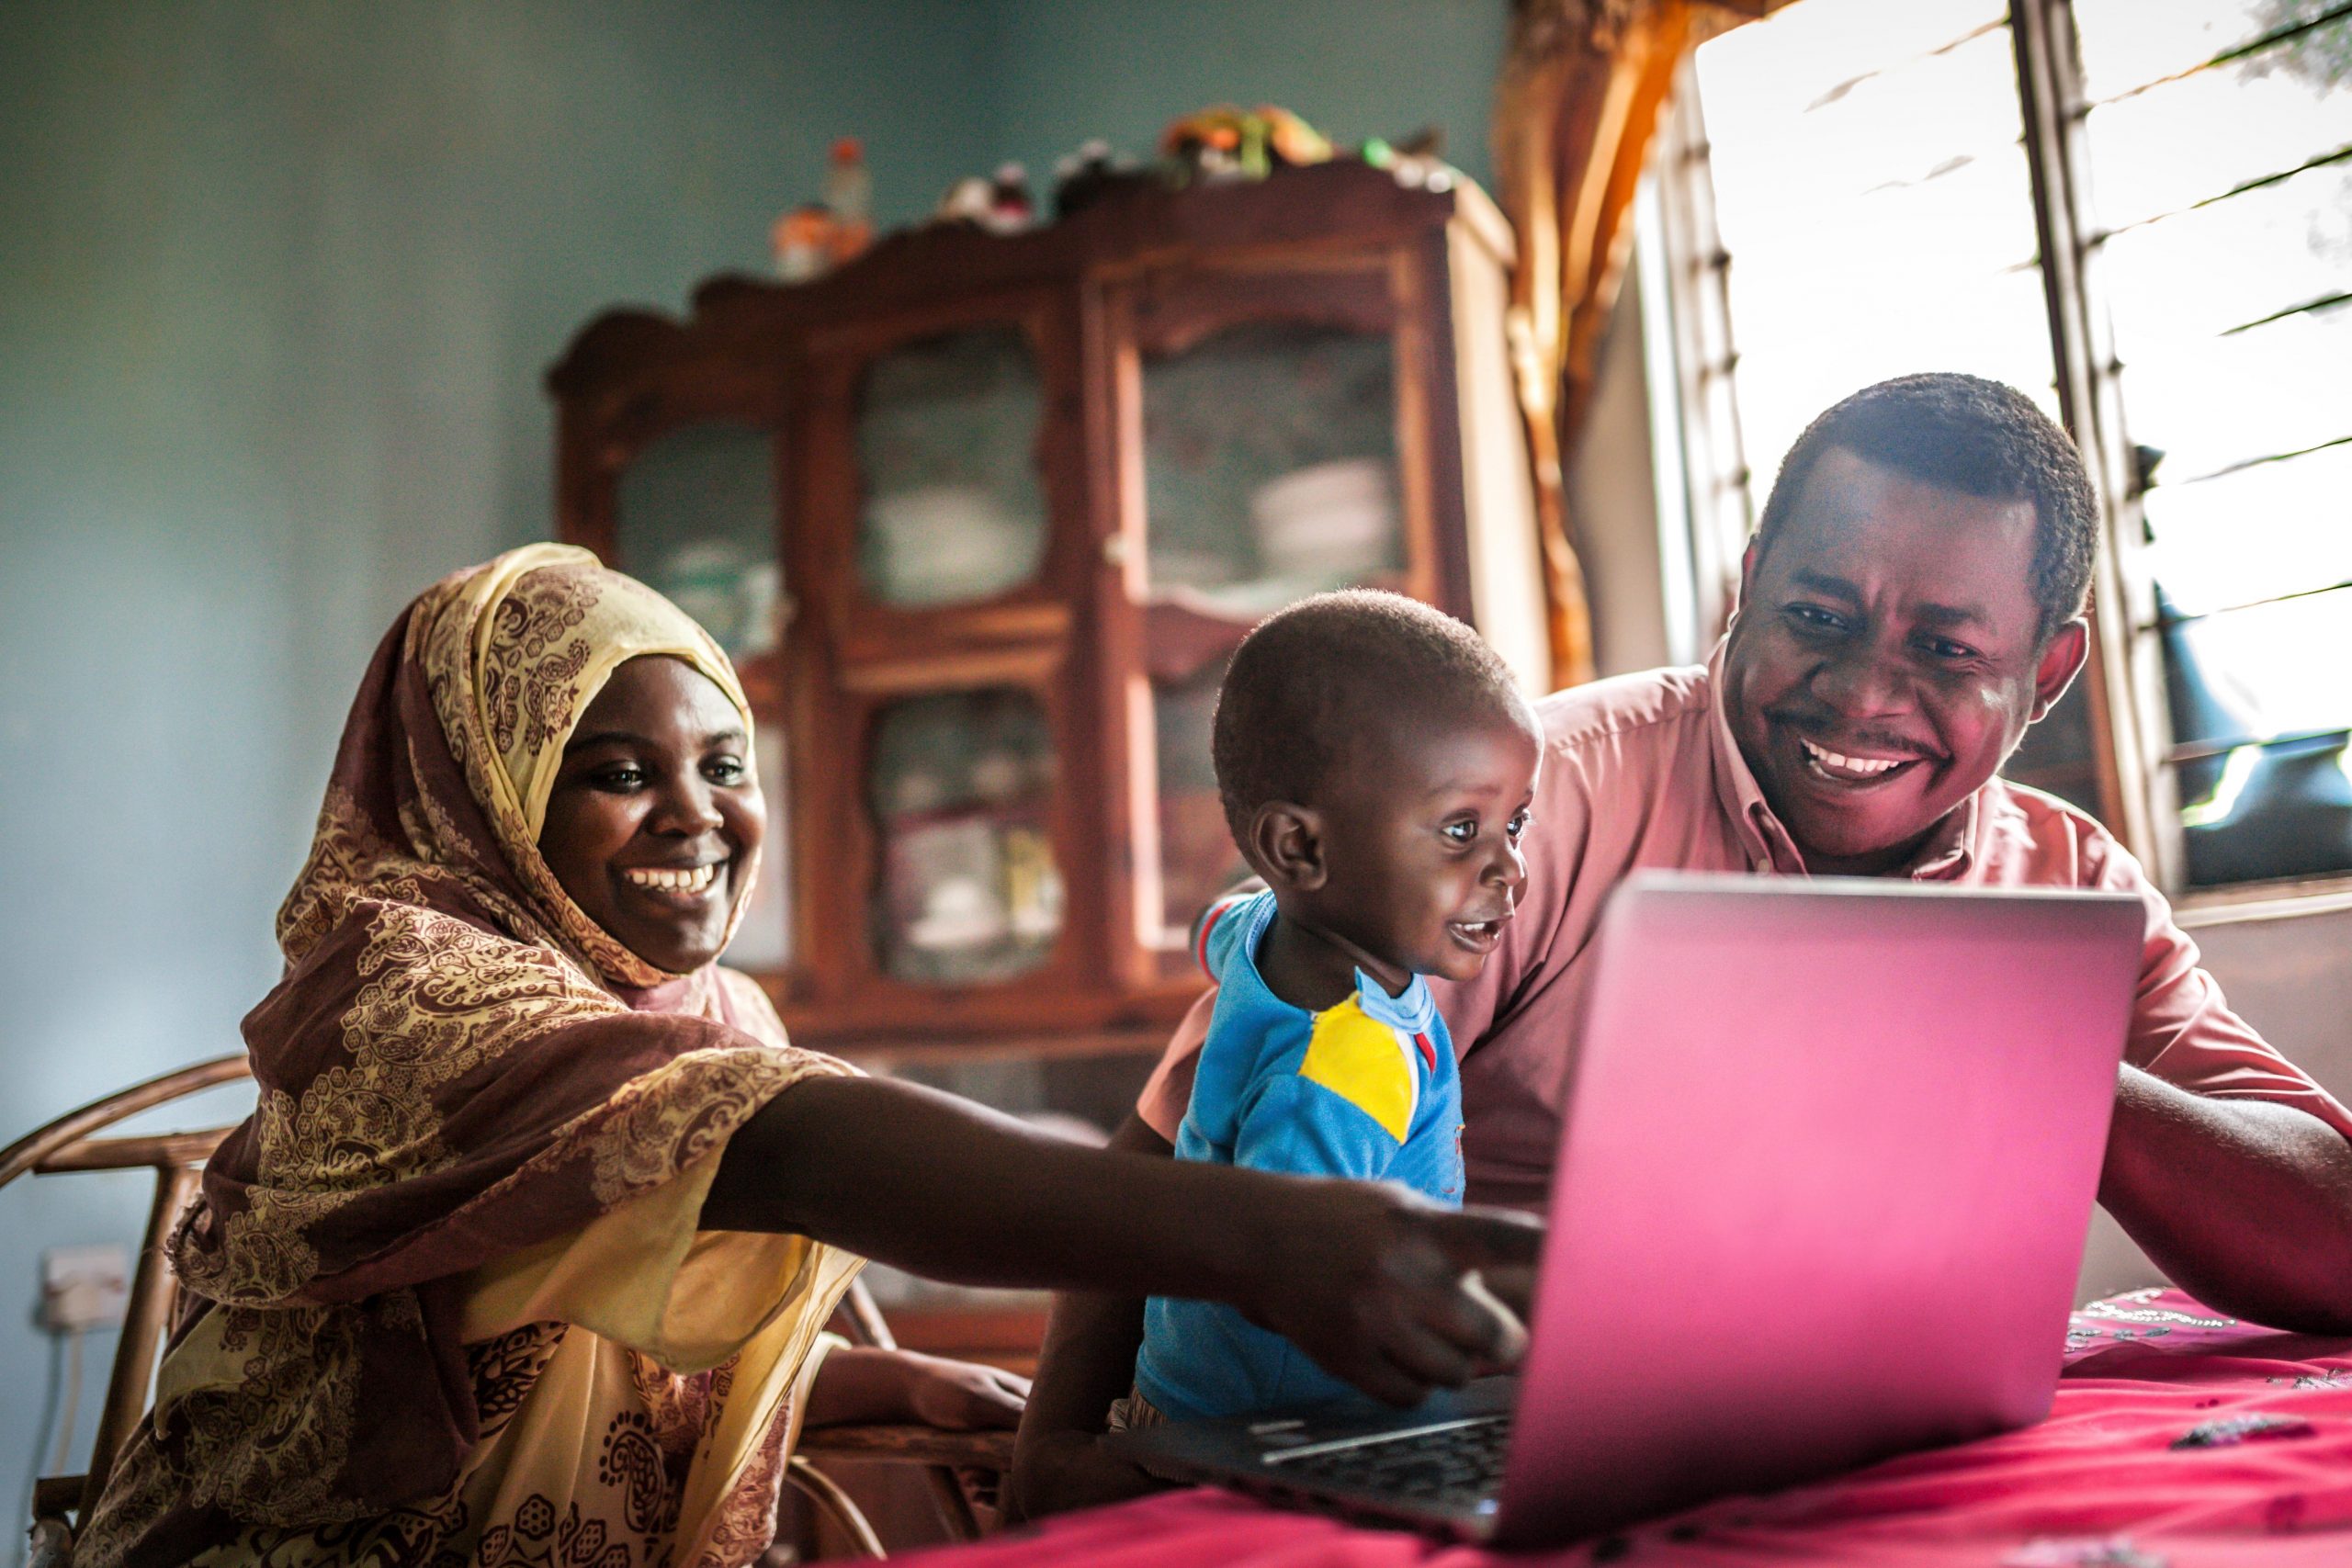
[278, 281]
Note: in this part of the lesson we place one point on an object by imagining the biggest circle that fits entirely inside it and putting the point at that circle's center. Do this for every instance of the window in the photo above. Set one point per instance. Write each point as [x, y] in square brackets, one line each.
[1853, 189]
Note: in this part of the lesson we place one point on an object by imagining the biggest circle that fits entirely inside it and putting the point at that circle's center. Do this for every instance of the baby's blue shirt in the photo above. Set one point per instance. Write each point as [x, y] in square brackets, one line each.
[1367, 1088]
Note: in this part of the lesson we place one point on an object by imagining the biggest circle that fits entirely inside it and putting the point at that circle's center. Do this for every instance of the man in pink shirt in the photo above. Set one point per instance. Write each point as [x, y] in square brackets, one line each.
[1912, 601]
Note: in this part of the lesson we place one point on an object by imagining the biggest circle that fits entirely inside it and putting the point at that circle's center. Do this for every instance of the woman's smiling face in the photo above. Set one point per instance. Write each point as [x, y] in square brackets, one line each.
[656, 816]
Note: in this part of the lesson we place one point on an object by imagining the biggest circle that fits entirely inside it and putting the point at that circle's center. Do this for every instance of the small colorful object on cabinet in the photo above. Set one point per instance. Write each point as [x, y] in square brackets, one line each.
[1010, 207]
[1226, 142]
[849, 196]
[1001, 204]
[1086, 176]
[968, 200]
[803, 239]
[816, 237]
[1416, 163]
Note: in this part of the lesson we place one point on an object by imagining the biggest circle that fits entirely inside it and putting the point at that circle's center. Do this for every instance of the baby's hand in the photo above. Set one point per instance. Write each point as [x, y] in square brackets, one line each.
[858, 1385]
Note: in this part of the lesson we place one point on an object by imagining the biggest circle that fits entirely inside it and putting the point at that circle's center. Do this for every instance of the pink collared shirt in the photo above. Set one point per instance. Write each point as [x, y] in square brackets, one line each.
[1642, 771]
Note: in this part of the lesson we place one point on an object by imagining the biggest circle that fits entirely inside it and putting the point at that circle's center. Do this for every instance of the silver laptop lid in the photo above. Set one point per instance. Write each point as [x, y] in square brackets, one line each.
[1823, 1184]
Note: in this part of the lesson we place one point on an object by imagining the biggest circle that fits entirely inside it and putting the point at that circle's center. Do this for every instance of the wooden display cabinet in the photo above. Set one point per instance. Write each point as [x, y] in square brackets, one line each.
[981, 520]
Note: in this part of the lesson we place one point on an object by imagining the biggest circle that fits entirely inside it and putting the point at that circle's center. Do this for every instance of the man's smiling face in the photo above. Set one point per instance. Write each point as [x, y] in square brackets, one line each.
[1886, 658]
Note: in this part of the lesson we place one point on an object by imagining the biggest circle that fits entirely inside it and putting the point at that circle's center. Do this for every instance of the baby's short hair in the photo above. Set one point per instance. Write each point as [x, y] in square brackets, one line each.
[1311, 678]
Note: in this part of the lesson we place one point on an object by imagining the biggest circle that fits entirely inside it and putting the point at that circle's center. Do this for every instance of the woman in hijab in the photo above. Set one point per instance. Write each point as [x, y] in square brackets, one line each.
[524, 1253]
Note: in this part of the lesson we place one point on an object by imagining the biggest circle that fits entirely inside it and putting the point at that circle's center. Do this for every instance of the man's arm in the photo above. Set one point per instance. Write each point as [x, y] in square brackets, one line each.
[2231, 1167]
[2245, 1203]
[1088, 1361]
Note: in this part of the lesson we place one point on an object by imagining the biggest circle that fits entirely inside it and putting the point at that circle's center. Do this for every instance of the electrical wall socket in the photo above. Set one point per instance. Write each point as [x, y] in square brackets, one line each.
[84, 1287]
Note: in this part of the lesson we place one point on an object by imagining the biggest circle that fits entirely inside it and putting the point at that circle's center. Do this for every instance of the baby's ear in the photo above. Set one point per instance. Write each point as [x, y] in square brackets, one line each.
[1287, 844]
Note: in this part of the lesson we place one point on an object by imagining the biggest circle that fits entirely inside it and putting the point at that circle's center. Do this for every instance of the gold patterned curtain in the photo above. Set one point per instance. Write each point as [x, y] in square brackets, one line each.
[1579, 98]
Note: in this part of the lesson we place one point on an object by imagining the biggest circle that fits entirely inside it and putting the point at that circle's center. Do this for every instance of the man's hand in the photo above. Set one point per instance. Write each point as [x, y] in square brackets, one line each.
[858, 1385]
[1367, 1280]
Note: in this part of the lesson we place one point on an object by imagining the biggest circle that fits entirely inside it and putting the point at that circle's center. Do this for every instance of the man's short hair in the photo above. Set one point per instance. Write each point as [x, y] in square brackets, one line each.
[1976, 436]
[1312, 679]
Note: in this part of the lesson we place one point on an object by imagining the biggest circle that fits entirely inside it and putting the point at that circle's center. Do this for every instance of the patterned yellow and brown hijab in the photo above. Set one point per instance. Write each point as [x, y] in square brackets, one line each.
[509, 654]
[457, 1063]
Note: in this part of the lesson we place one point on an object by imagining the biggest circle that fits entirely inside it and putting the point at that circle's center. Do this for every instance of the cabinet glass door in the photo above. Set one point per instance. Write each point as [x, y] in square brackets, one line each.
[763, 936]
[695, 517]
[960, 787]
[1269, 464]
[1198, 859]
[952, 510]
[1270, 472]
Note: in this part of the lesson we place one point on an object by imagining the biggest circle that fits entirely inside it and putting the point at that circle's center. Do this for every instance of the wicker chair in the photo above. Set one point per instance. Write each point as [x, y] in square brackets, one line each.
[71, 1142]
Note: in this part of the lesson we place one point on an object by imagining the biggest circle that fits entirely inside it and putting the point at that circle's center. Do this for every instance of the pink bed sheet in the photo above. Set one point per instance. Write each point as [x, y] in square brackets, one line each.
[2181, 1439]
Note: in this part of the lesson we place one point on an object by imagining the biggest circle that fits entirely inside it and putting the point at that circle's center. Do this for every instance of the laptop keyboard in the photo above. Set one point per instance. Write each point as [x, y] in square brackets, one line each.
[1457, 1460]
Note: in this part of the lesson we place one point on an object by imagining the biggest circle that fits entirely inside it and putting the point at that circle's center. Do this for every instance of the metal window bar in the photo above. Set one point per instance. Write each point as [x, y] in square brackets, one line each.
[2309, 307]
[2230, 55]
[2128, 729]
[2202, 751]
[1716, 471]
[2243, 464]
[2167, 619]
[2259, 181]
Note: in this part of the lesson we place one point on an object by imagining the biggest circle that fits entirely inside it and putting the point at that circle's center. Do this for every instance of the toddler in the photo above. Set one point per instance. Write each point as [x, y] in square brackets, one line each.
[1376, 763]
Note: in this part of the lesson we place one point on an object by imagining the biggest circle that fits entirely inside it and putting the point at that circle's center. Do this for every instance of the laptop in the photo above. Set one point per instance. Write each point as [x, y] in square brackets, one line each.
[1822, 1188]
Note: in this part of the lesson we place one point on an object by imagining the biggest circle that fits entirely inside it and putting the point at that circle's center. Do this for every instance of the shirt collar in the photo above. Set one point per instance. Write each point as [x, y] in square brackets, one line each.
[1947, 856]
[1412, 1012]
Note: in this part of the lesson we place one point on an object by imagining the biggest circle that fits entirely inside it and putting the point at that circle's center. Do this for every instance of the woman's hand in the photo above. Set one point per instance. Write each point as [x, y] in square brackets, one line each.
[1367, 1280]
[858, 1385]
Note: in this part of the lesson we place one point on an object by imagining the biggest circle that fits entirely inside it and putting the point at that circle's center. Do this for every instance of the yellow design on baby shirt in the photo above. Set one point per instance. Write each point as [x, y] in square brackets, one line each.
[1365, 1063]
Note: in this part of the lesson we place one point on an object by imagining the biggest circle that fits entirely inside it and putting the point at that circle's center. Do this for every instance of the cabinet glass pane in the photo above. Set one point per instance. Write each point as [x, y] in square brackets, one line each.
[695, 517]
[1197, 857]
[947, 454]
[1269, 464]
[960, 786]
[764, 937]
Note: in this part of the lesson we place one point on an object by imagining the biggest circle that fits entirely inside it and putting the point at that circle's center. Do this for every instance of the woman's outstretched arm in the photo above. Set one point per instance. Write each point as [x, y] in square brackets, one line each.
[1365, 1278]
